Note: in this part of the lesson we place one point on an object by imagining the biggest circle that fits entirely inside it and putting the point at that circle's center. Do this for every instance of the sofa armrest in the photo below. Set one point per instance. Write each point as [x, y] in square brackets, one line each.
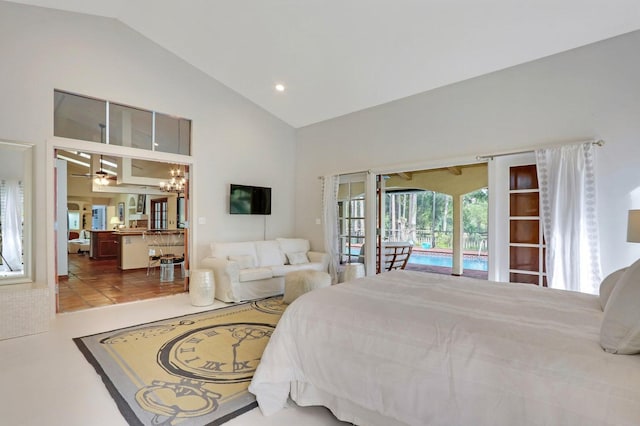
[319, 257]
[225, 274]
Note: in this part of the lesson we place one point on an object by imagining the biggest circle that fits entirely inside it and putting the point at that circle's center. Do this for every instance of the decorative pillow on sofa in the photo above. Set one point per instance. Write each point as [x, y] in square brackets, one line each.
[607, 285]
[244, 261]
[297, 258]
[293, 245]
[269, 253]
[620, 330]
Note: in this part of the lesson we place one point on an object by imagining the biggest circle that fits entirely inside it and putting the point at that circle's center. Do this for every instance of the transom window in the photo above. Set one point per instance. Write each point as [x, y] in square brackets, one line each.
[97, 120]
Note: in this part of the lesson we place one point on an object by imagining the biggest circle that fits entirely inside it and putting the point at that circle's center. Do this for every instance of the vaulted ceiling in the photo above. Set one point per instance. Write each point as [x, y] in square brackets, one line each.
[335, 57]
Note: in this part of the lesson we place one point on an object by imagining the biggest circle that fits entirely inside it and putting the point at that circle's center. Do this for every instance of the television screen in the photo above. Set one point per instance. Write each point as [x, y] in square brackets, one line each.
[244, 199]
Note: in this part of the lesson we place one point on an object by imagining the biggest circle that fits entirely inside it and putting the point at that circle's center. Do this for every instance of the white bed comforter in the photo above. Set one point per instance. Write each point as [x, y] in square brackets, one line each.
[424, 349]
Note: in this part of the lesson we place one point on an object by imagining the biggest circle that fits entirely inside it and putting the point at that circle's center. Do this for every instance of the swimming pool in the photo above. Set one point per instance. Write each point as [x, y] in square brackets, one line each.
[476, 263]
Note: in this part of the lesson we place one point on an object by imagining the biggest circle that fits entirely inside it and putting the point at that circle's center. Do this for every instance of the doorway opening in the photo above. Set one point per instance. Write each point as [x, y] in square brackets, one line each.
[107, 260]
[98, 217]
[442, 214]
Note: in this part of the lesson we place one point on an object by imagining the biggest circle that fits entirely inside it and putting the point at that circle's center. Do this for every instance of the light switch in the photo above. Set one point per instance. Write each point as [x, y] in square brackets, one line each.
[318, 221]
[202, 221]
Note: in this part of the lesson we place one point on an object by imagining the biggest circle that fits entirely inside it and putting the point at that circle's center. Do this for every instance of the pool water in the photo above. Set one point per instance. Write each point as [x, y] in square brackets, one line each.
[473, 262]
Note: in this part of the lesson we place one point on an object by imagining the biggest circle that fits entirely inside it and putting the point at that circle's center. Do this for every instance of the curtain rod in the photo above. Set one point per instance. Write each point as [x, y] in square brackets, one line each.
[345, 174]
[599, 142]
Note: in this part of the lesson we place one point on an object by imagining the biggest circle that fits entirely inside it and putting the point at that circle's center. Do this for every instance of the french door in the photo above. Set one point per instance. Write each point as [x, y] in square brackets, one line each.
[159, 213]
[517, 240]
[351, 218]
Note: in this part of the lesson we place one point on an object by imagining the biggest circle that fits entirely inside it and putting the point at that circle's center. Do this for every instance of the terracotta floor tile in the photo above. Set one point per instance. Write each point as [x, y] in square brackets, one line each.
[99, 283]
[105, 302]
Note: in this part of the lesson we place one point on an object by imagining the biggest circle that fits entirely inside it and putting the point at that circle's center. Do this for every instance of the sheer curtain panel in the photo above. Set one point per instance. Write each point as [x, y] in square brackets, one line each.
[567, 182]
[330, 222]
[11, 225]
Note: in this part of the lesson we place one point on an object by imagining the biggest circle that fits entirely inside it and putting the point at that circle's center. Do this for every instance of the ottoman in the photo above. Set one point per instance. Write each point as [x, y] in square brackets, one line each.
[297, 283]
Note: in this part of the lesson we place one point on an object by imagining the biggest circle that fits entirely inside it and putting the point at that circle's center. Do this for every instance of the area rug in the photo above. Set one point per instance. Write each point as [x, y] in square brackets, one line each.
[189, 370]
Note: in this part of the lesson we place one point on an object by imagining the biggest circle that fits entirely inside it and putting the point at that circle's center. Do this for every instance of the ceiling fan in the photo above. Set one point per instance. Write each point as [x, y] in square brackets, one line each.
[99, 174]
[101, 177]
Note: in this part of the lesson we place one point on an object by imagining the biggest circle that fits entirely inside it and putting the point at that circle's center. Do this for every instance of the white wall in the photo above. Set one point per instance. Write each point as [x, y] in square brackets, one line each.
[234, 141]
[11, 163]
[590, 92]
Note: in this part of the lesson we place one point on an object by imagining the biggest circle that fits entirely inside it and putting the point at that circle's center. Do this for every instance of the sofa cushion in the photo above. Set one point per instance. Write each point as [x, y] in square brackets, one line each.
[293, 245]
[269, 253]
[254, 274]
[282, 270]
[245, 261]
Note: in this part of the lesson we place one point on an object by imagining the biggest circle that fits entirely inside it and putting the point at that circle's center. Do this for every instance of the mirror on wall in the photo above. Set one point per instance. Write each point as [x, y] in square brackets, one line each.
[15, 212]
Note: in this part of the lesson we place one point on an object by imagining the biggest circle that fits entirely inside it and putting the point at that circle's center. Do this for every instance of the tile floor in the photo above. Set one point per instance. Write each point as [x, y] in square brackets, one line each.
[93, 283]
[45, 380]
[471, 273]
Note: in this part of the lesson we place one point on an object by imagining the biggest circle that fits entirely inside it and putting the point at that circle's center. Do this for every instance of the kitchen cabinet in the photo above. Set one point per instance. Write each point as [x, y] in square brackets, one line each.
[104, 245]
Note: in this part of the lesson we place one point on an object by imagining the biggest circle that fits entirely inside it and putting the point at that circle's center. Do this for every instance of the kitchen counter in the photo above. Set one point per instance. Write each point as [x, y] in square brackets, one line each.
[136, 245]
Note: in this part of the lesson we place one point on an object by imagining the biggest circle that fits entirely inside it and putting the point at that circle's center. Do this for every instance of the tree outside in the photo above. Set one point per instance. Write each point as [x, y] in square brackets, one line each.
[426, 218]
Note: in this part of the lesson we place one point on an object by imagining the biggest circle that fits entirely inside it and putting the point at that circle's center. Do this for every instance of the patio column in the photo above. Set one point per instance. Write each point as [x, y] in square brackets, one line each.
[457, 236]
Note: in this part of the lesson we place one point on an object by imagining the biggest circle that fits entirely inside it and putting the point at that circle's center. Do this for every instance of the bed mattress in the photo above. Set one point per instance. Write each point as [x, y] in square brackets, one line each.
[412, 348]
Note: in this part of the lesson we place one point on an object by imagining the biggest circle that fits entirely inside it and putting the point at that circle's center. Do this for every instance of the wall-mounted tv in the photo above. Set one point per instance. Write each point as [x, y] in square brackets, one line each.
[245, 199]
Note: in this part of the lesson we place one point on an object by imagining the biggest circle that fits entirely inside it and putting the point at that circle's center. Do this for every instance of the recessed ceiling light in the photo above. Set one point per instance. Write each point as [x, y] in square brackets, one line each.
[280, 87]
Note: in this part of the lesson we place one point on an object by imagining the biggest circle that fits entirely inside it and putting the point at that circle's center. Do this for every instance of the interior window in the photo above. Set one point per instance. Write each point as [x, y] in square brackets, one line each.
[88, 119]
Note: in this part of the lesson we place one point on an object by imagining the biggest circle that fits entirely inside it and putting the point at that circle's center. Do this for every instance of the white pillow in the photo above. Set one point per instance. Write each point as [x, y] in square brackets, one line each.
[269, 253]
[297, 258]
[244, 261]
[607, 285]
[293, 245]
[620, 330]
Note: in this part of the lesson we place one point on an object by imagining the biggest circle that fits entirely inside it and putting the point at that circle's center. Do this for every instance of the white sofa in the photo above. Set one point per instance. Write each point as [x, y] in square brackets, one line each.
[256, 269]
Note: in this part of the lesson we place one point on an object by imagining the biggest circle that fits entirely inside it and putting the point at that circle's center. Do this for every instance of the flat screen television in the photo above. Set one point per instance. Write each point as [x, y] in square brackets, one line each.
[245, 199]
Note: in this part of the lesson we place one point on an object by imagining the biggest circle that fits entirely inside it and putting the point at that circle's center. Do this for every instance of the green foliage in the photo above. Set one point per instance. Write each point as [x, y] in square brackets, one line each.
[439, 217]
[475, 207]
[443, 240]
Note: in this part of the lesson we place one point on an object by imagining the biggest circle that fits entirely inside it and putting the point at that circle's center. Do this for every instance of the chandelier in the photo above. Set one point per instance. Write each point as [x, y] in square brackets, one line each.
[177, 182]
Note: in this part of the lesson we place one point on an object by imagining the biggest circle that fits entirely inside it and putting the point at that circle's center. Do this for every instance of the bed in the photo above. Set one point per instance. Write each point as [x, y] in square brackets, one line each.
[408, 347]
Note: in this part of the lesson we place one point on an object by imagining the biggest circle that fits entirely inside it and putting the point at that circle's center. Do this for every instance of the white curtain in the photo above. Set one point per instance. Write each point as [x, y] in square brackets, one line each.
[330, 222]
[11, 226]
[567, 183]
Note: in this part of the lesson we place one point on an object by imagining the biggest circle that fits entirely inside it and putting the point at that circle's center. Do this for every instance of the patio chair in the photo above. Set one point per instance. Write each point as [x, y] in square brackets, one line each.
[396, 255]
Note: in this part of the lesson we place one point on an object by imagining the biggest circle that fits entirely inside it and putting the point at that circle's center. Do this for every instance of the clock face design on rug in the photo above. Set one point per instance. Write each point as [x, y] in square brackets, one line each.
[142, 333]
[223, 353]
[272, 305]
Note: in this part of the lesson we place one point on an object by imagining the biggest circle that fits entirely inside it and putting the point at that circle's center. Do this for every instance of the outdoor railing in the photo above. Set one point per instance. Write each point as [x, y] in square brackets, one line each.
[472, 241]
[425, 238]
